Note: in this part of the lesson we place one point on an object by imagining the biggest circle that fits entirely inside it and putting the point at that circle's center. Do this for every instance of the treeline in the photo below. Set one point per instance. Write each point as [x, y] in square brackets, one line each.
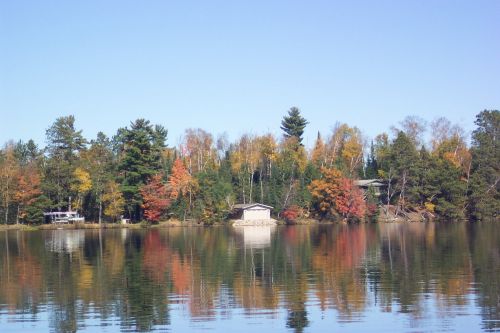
[135, 175]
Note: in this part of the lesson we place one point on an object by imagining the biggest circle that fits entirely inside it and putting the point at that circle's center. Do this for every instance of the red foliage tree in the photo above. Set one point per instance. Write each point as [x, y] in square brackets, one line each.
[336, 194]
[291, 213]
[155, 198]
[350, 201]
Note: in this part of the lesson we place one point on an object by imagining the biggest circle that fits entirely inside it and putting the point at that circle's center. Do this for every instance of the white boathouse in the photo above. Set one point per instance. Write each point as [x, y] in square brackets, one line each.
[253, 214]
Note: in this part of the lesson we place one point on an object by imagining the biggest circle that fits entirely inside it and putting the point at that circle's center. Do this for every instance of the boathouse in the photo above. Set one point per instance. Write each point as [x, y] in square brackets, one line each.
[254, 211]
[252, 214]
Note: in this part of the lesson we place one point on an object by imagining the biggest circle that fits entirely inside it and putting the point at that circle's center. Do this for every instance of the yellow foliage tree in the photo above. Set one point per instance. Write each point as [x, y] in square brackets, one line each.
[81, 185]
[113, 199]
[318, 154]
[352, 151]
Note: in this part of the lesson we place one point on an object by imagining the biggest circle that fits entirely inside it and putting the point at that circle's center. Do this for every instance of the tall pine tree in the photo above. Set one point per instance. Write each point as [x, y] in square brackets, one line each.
[484, 199]
[140, 149]
[293, 125]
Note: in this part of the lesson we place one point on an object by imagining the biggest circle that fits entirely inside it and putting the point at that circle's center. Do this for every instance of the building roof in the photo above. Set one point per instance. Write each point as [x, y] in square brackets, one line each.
[246, 206]
[61, 213]
[369, 182]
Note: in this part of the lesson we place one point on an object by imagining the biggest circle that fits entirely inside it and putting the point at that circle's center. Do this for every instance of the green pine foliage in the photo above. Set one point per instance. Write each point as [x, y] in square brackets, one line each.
[484, 191]
[294, 124]
[139, 159]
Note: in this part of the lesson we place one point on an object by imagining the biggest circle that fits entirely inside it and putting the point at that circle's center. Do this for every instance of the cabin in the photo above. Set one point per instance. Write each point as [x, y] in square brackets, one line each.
[377, 185]
[252, 214]
[63, 217]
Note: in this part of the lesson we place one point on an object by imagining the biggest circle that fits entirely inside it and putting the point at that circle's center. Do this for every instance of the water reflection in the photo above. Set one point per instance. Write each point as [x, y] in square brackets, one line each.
[256, 237]
[425, 277]
[65, 240]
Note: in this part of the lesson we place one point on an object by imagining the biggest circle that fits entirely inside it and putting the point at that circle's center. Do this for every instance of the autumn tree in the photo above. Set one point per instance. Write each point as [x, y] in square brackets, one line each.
[324, 192]
[333, 194]
[267, 153]
[352, 151]
[318, 154]
[344, 150]
[9, 168]
[198, 149]
[350, 201]
[449, 142]
[381, 150]
[413, 127]
[81, 185]
[244, 160]
[155, 198]
[27, 193]
[291, 164]
[113, 200]
[181, 186]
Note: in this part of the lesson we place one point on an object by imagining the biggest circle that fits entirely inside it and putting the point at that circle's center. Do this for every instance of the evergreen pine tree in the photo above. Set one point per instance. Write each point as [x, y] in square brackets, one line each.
[484, 199]
[294, 124]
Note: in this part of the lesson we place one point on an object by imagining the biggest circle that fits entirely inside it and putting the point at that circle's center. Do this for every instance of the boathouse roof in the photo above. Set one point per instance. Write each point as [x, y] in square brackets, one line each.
[247, 206]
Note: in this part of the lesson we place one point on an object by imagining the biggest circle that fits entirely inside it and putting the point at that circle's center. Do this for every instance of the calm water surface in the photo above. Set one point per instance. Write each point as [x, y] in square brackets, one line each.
[357, 278]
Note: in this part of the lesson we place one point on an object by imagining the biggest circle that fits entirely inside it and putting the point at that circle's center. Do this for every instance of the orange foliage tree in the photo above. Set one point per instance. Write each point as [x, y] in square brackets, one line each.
[325, 190]
[155, 198]
[180, 181]
[27, 191]
[333, 194]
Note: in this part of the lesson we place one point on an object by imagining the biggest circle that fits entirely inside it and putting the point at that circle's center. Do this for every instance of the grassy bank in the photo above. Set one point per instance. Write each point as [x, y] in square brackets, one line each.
[163, 224]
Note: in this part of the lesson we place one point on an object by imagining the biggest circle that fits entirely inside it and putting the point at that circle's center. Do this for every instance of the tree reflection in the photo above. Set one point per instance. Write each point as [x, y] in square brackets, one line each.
[137, 276]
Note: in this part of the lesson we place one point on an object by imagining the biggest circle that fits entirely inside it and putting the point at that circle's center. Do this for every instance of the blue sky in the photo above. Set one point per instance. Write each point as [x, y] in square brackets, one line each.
[238, 66]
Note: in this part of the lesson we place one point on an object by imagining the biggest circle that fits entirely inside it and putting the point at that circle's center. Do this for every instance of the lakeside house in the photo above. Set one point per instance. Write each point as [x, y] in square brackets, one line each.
[377, 185]
[252, 214]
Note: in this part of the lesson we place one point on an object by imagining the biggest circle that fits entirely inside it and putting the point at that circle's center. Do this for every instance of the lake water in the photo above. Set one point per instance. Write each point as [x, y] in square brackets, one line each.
[343, 278]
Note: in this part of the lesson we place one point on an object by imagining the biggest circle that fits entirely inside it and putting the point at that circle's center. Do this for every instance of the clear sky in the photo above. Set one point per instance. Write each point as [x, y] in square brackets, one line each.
[238, 66]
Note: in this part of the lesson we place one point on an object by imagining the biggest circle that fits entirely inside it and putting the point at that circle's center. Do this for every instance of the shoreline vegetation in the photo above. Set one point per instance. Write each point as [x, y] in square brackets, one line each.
[411, 218]
[402, 175]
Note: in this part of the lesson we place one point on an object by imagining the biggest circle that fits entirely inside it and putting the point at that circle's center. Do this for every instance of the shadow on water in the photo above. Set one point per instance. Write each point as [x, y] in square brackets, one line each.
[296, 278]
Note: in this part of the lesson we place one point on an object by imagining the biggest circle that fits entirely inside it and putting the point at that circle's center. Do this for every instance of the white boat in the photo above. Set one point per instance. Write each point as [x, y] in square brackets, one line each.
[63, 217]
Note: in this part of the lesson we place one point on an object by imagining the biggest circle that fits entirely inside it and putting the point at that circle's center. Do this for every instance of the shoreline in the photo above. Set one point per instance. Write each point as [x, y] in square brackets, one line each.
[93, 226]
[176, 224]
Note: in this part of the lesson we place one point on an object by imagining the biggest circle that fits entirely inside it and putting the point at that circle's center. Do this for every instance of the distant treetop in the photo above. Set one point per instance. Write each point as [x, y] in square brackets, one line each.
[294, 124]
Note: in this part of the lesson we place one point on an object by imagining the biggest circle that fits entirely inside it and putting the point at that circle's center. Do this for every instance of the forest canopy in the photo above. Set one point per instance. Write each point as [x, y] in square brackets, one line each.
[135, 175]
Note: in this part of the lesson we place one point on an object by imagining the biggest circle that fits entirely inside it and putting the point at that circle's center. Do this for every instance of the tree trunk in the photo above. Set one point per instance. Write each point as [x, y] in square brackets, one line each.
[251, 187]
[261, 188]
[100, 209]
[243, 190]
